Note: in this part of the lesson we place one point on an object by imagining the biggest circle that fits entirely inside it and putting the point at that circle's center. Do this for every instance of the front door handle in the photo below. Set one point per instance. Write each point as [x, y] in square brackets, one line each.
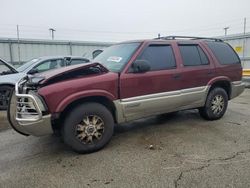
[209, 72]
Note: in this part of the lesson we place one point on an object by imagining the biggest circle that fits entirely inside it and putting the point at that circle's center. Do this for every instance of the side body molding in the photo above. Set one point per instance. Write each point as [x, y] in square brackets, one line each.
[153, 104]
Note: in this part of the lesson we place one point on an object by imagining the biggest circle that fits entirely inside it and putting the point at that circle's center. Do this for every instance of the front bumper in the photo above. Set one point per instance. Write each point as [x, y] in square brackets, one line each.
[25, 114]
[237, 88]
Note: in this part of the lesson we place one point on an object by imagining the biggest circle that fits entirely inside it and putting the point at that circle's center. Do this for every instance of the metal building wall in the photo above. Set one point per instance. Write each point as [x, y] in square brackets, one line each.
[241, 44]
[34, 48]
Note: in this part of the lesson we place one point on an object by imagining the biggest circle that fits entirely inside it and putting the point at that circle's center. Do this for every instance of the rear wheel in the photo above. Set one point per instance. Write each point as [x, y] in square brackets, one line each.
[216, 104]
[4, 96]
[88, 128]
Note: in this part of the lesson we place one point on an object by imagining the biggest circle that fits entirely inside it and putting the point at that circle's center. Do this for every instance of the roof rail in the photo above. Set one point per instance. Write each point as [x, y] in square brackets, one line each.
[173, 37]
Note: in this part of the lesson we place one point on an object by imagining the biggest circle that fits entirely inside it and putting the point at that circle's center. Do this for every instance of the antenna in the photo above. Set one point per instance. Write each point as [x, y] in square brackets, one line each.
[18, 43]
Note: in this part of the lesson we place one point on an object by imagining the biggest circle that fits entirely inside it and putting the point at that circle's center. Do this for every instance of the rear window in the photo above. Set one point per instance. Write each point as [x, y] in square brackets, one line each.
[224, 53]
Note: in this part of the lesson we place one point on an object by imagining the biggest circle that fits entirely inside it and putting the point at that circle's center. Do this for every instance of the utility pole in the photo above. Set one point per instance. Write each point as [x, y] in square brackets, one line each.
[52, 30]
[18, 44]
[244, 41]
[245, 25]
[226, 28]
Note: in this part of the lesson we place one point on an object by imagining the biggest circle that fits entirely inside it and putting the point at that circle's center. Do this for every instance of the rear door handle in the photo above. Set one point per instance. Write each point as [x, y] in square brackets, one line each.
[176, 76]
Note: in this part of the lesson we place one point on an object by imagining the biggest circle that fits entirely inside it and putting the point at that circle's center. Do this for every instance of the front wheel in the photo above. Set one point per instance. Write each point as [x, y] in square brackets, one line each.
[216, 104]
[88, 128]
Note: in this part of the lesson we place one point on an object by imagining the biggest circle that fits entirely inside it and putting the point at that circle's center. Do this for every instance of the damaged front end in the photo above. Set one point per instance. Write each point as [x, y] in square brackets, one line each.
[27, 112]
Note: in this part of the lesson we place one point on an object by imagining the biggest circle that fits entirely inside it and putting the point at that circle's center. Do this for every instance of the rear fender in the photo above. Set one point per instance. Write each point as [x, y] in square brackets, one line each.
[219, 78]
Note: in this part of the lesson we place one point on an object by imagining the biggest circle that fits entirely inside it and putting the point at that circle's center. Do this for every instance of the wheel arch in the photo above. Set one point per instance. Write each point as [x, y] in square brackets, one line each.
[105, 101]
[7, 84]
[224, 84]
[4, 106]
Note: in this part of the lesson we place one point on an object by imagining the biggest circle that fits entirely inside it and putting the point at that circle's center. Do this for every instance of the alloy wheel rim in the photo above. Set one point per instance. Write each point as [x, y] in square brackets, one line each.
[90, 129]
[217, 104]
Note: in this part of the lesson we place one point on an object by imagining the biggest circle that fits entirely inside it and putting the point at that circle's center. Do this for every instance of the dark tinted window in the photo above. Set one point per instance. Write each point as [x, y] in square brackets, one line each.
[204, 59]
[159, 57]
[78, 61]
[223, 52]
[193, 55]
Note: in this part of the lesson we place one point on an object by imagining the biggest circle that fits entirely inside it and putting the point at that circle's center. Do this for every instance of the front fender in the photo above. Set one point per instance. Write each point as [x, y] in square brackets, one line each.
[80, 95]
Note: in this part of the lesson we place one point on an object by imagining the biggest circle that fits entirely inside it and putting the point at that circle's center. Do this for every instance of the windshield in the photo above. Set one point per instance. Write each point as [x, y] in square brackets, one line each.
[27, 65]
[4, 68]
[116, 56]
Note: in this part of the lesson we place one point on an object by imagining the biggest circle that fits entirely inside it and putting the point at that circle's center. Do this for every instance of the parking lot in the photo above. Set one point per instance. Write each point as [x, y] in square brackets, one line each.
[178, 151]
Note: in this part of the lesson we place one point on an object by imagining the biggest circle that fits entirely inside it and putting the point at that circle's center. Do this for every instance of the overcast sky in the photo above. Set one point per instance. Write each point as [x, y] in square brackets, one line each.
[115, 20]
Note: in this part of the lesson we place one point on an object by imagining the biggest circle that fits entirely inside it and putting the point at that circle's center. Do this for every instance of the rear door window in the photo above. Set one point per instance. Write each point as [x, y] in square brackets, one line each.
[159, 57]
[193, 55]
[224, 53]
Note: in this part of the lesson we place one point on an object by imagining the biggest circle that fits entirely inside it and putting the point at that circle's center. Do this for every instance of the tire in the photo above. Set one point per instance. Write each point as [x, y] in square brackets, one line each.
[216, 104]
[86, 122]
[5, 92]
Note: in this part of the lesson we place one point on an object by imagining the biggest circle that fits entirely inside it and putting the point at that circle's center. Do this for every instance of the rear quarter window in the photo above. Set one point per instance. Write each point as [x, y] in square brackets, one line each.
[224, 53]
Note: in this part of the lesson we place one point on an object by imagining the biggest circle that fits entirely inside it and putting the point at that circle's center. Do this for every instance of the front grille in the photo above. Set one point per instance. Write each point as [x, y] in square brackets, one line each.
[26, 109]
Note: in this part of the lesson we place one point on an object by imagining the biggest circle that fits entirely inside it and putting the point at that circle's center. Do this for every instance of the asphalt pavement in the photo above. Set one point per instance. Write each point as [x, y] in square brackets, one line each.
[181, 150]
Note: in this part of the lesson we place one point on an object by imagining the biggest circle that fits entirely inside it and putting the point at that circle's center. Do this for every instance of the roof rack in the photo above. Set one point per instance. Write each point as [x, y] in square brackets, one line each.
[188, 37]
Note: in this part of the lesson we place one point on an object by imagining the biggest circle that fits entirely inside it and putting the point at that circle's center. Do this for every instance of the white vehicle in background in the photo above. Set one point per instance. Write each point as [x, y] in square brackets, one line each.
[10, 75]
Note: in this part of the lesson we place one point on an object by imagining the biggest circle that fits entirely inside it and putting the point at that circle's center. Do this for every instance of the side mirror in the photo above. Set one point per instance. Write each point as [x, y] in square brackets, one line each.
[140, 66]
[95, 53]
[33, 71]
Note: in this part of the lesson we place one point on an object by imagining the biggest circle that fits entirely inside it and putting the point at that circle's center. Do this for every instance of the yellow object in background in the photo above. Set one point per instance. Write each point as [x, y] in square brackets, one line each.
[246, 72]
[238, 49]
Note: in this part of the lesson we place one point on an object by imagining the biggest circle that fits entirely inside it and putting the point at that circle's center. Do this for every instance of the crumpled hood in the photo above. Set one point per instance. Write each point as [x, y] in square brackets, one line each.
[67, 73]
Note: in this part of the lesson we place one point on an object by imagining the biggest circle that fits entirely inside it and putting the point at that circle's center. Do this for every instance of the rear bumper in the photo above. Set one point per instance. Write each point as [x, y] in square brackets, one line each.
[246, 81]
[237, 88]
[28, 124]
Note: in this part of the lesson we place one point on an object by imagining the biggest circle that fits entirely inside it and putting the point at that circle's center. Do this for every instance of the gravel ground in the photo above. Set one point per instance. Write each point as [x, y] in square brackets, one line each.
[3, 121]
[179, 151]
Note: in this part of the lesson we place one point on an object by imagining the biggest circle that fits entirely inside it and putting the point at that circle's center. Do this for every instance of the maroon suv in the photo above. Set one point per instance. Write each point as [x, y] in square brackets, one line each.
[127, 81]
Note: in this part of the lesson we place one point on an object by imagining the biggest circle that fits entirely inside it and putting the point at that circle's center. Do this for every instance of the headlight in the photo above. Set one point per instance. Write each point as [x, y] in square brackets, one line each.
[39, 101]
